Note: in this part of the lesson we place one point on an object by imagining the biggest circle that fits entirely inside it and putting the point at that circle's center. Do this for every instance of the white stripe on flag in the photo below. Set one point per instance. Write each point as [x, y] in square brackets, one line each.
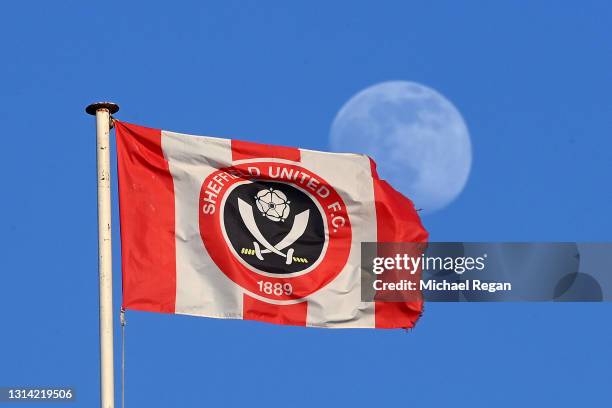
[201, 288]
[335, 305]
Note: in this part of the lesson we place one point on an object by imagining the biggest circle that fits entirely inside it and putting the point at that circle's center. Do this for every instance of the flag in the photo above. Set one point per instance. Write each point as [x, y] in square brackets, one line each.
[231, 229]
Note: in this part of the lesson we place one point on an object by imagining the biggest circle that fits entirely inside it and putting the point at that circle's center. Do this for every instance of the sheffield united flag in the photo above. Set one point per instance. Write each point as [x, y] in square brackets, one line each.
[230, 229]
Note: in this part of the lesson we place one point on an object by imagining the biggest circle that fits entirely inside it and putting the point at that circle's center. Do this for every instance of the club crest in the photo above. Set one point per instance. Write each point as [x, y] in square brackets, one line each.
[272, 223]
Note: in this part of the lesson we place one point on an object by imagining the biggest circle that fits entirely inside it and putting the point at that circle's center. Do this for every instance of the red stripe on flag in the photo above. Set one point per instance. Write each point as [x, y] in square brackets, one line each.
[146, 208]
[396, 221]
[254, 309]
[249, 150]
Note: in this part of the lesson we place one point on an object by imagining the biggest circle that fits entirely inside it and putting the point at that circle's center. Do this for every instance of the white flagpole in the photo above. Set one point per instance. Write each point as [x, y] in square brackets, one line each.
[102, 111]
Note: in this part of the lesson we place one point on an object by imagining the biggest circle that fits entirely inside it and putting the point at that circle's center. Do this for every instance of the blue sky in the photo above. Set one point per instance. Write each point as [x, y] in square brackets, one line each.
[532, 81]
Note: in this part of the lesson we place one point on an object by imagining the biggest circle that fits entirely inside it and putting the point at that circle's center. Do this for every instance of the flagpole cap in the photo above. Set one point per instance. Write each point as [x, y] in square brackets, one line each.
[94, 107]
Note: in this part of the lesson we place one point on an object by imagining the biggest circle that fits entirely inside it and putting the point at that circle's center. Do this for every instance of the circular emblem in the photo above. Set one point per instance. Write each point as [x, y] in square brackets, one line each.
[268, 235]
[277, 230]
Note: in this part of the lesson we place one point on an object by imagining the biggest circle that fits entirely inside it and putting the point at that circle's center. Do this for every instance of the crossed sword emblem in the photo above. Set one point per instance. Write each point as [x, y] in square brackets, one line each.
[297, 230]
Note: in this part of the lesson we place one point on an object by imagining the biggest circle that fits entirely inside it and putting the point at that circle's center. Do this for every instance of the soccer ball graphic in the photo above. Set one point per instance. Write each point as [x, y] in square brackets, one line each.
[273, 204]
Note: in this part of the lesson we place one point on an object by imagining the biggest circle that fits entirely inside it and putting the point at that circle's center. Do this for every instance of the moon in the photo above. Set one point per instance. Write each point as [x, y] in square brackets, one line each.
[417, 137]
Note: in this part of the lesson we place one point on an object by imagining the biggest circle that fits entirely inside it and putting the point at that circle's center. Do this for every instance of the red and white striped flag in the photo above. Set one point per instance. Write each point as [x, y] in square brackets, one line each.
[230, 229]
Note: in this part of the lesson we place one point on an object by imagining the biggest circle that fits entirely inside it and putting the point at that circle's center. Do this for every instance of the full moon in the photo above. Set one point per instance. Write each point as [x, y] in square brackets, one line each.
[417, 137]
